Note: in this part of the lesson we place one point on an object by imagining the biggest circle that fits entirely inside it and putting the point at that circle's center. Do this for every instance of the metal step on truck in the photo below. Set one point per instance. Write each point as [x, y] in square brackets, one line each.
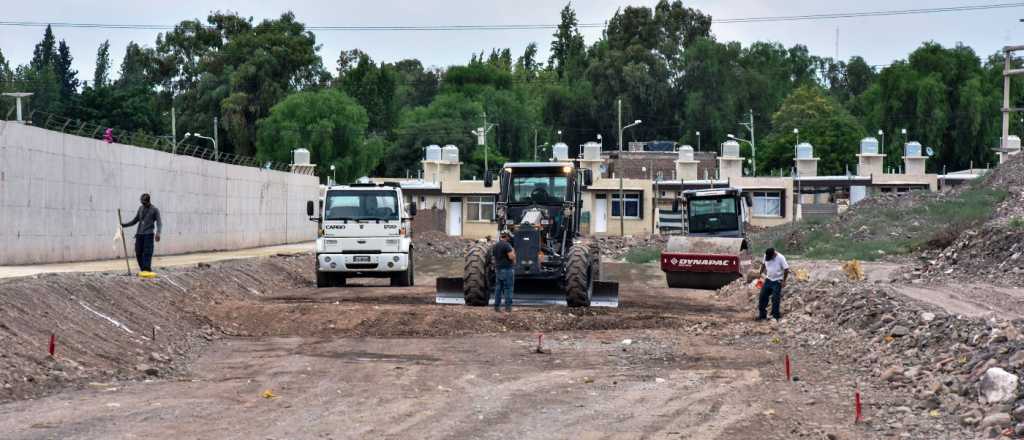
[364, 230]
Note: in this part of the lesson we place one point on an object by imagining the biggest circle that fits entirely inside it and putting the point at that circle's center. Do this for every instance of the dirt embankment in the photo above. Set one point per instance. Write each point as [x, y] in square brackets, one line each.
[104, 323]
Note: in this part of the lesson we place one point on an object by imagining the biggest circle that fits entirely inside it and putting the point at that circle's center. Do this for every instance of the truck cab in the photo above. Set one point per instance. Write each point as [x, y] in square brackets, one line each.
[364, 230]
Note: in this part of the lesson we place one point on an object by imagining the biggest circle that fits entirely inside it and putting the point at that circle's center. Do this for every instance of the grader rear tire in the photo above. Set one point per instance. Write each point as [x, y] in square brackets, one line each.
[476, 276]
[578, 279]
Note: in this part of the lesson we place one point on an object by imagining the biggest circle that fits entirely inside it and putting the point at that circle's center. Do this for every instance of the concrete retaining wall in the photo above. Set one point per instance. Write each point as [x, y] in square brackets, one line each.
[59, 196]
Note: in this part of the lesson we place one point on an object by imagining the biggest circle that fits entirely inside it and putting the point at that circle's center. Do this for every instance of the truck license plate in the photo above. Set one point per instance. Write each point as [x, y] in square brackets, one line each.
[361, 258]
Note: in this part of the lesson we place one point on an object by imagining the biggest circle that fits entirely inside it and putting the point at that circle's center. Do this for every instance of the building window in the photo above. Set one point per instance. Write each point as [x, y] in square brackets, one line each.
[632, 205]
[767, 204]
[479, 209]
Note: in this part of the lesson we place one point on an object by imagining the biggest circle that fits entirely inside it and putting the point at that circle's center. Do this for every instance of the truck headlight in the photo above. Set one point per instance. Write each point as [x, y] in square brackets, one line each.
[396, 258]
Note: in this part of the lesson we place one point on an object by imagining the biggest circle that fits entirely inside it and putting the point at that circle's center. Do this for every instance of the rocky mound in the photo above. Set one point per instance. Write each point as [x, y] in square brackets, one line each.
[956, 375]
[994, 250]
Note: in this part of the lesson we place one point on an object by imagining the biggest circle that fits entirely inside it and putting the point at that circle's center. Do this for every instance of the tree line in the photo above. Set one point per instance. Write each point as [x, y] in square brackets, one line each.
[269, 88]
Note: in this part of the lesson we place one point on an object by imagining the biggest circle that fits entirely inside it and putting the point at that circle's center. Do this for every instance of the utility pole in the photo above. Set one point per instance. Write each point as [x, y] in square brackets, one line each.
[216, 138]
[174, 130]
[1007, 73]
[622, 193]
[753, 142]
[481, 137]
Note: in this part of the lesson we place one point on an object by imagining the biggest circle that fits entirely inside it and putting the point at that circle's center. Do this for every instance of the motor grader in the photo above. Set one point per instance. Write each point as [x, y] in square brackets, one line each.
[540, 204]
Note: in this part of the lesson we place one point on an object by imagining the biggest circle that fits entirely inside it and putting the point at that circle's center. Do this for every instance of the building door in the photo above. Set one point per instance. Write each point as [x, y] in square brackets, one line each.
[455, 216]
[600, 214]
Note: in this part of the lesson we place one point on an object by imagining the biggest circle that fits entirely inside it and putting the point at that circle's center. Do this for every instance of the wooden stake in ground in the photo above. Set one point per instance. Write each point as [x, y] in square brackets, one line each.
[124, 242]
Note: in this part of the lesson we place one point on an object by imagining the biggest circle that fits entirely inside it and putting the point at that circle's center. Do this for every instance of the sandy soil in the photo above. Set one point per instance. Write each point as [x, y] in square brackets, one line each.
[370, 361]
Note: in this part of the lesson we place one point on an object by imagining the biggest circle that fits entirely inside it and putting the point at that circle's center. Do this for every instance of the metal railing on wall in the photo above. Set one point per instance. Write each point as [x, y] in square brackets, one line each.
[79, 127]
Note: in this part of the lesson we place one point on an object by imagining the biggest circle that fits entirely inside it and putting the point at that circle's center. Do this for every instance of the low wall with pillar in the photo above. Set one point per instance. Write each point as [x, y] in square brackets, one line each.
[59, 196]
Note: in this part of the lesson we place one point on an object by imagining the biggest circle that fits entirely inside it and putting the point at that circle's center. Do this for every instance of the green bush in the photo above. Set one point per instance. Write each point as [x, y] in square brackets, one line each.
[1017, 222]
[643, 255]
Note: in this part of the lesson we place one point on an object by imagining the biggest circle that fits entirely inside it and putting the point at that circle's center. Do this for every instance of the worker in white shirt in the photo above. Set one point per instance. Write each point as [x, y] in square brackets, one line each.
[775, 269]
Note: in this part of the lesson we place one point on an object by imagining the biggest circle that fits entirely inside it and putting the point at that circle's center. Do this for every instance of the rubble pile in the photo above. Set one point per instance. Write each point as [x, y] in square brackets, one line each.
[615, 248]
[993, 251]
[439, 244]
[956, 373]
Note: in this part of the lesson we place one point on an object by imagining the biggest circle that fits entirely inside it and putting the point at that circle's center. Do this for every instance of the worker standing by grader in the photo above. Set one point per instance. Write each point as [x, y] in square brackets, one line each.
[539, 205]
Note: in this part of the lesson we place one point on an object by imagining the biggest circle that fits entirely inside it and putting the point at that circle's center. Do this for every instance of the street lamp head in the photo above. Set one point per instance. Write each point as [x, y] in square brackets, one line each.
[559, 132]
[599, 136]
[332, 167]
[880, 132]
[903, 131]
[796, 131]
[188, 135]
[698, 132]
[730, 136]
[637, 121]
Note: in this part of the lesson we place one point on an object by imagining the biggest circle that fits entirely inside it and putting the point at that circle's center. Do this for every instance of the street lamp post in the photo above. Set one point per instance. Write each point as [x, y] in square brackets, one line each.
[796, 131]
[535, 150]
[622, 193]
[334, 175]
[698, 140]
[882, 135]
[752, 163]
[216, 152]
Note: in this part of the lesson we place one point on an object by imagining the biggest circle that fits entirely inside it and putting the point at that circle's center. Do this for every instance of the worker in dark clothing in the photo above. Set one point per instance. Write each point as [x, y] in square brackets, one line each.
[504, 256]
[148, 219]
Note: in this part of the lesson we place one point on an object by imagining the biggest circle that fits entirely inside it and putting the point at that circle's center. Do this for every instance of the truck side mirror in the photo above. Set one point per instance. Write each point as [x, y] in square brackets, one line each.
[488, 178]
[309, 208]
[675, 205]
[588, 177]
[412, 209]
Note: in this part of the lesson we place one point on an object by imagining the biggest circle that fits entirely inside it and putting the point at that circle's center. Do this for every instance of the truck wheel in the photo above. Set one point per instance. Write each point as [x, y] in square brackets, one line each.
[339, 280]
[578, 279]
[403, 279]
[476, 276]
[322, 279]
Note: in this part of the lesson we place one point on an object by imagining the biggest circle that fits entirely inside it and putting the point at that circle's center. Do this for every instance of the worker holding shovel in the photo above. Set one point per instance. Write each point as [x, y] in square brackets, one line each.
[148, 219]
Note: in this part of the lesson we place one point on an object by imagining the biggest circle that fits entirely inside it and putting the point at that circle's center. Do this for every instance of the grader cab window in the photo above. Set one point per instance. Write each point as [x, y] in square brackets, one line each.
[538, 189]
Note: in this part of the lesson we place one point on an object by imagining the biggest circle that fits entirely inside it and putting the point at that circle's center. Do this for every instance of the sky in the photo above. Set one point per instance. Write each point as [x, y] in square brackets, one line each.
[880, 40]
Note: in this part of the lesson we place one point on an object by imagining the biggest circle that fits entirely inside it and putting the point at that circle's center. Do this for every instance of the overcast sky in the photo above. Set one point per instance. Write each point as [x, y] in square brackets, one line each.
[880, 40]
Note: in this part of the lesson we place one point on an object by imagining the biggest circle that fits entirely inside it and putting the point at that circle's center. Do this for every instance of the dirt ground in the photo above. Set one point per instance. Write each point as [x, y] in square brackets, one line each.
[370, 361]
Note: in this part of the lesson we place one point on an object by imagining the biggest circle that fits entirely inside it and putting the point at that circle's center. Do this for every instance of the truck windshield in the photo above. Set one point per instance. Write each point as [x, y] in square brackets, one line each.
[538, 189]
[361, 205]
[713, 215]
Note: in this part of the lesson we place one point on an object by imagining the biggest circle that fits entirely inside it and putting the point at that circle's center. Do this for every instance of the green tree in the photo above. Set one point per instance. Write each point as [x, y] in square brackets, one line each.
[823, 122]
[447, 120]
[101, 74]
[416, 86]
[568, 51]
[45, 53]
[375, 88]
[67, 76]
[327, 122]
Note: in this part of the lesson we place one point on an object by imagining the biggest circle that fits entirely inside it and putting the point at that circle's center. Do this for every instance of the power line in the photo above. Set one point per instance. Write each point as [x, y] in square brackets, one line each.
[505, 27]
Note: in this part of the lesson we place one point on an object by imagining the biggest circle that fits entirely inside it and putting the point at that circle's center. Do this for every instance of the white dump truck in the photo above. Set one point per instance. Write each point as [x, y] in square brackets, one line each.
[364, 230]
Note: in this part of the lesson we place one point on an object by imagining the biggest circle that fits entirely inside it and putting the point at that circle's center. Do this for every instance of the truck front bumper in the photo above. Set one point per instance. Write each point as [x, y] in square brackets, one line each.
[362, 263]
